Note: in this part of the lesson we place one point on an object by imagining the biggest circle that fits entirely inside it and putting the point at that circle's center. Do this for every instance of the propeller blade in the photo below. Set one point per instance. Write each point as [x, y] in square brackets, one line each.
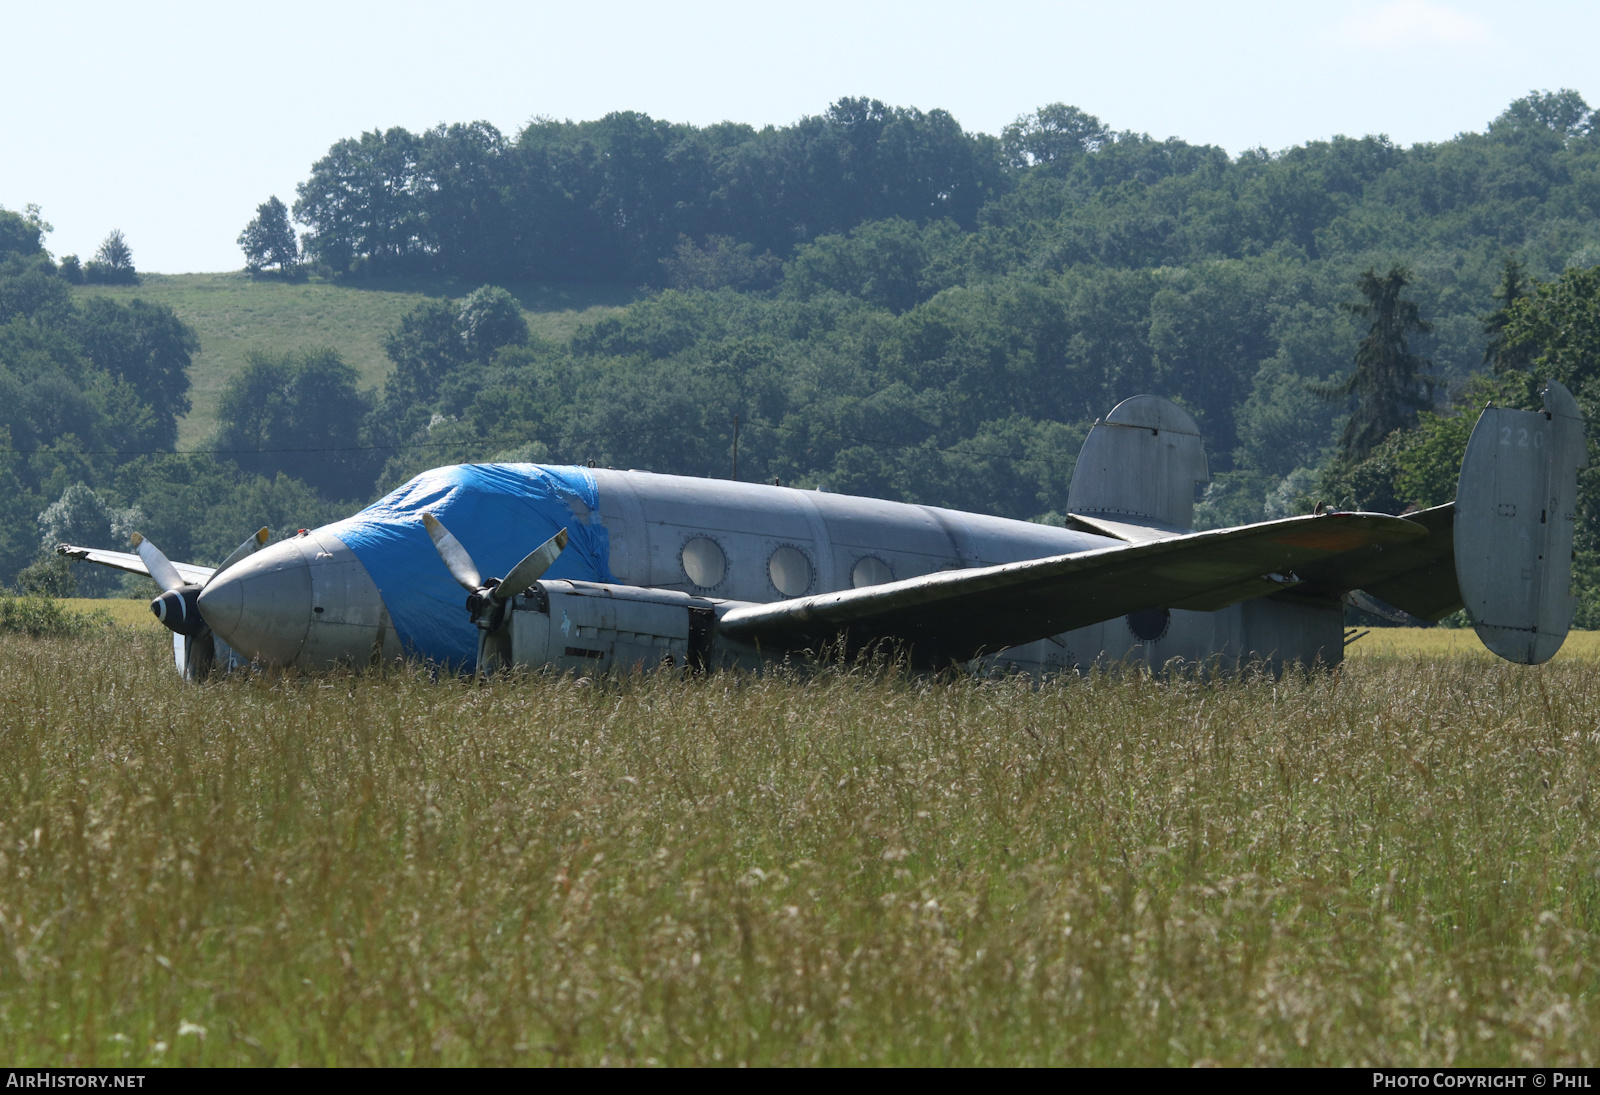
[456, 559]
[249, 547]
[195, 654]
[159, 566]
[525, 573]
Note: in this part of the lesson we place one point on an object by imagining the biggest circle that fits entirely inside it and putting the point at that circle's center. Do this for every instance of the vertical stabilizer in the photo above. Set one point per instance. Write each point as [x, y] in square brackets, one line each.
[1515, 509]
[1140, 464]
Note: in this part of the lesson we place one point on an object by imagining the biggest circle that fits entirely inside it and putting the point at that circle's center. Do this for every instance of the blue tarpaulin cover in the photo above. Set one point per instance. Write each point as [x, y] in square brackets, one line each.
[499, 512]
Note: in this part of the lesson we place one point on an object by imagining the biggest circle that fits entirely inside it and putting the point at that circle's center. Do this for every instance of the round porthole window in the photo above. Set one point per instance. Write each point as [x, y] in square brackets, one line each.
[790, 571]
[871, 571]
[1149, 624]
[704, 562]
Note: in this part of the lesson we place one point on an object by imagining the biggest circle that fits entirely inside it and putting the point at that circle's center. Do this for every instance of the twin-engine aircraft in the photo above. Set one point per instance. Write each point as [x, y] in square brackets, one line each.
[637, 569]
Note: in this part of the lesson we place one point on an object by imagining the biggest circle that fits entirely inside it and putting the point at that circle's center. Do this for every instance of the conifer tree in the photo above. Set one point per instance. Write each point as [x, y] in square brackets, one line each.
[1506, 357]
[1387, 382]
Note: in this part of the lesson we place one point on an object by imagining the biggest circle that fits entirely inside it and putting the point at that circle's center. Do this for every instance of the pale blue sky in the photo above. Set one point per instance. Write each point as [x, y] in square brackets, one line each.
[172, 121]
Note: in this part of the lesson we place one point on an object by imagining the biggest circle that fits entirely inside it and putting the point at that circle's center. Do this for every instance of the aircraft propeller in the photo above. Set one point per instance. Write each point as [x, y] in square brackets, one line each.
[178, 607]
[486, 600]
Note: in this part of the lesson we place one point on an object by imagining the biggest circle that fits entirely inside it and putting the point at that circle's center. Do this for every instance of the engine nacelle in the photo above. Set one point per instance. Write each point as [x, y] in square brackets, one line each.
[604, 628]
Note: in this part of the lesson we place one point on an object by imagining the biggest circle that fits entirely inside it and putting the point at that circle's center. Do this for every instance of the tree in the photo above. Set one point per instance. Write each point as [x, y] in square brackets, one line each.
[148, 347]
[22, 233]
[1056, 134]
[490, 318]
[268, 240]
[301, 415]
[1562, 113]
[1387, 384]
[1556, 329]
[112, 263]
[1504, 357]
[893, 263]
[83, 516]
[723, 263]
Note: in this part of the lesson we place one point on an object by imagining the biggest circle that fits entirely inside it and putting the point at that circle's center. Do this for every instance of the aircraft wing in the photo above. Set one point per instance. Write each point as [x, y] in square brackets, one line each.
[124, 560]
[953, 616]
[1418, 576]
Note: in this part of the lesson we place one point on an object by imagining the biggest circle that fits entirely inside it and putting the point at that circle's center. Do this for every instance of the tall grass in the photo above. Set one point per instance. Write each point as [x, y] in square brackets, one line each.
[1393, 863]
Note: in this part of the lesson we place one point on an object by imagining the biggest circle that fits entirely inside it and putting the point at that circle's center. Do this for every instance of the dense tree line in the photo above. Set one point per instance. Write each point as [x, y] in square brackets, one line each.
[1046, 273]
[605, 200]
[1306, 305]
[897, 307]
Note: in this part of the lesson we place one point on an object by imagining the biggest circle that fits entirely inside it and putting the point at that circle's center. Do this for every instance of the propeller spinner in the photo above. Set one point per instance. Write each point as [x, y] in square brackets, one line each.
[178, 607]
[486, 600]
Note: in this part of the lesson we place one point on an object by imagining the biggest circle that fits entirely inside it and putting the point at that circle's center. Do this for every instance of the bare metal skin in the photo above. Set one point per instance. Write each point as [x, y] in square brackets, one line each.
[308, 602]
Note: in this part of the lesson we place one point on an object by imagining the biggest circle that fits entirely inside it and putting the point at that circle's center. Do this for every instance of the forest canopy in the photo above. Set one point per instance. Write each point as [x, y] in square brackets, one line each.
[895, 306]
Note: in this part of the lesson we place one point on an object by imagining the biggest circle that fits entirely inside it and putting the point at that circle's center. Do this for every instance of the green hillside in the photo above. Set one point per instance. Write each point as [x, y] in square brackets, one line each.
[234, 313]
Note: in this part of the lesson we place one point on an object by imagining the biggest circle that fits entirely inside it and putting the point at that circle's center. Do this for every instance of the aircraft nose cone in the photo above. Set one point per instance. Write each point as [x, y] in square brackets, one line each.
[262, 606]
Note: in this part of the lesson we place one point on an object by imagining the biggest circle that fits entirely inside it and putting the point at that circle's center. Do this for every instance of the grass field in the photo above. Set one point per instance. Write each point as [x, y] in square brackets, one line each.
[1395, 863]
[234, 313]
[124, 612]
[1440, 642]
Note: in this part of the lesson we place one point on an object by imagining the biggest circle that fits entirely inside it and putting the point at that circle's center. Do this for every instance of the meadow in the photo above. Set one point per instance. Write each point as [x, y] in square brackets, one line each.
[234, 313]
[1394, 863]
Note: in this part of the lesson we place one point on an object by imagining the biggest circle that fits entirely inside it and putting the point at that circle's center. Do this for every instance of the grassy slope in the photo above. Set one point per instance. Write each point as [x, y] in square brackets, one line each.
[234, 313]
[1392, 864]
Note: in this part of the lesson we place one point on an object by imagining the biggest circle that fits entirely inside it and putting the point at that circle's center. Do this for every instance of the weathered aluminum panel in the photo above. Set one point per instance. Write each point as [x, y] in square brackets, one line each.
[305, 602]
[589, 627]
[262, 606]
[349, 622]
[963, 614]
[653, 517]
[1144, 460]
[1514, 523]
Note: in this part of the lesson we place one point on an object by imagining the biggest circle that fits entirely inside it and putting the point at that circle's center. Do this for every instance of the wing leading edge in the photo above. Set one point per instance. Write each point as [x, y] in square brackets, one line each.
[953, 616]
[124, 560]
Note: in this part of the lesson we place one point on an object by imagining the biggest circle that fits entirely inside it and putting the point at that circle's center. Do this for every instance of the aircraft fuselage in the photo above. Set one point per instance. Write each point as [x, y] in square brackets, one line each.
[357, 591]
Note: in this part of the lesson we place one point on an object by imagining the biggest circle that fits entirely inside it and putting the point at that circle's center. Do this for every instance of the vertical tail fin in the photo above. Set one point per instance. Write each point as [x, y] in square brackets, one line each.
[1140, 465]
[1515, 516]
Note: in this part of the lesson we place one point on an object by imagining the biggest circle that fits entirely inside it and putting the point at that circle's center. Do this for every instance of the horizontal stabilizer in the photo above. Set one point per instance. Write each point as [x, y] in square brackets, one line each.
[1133, 530]
[953, 616]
